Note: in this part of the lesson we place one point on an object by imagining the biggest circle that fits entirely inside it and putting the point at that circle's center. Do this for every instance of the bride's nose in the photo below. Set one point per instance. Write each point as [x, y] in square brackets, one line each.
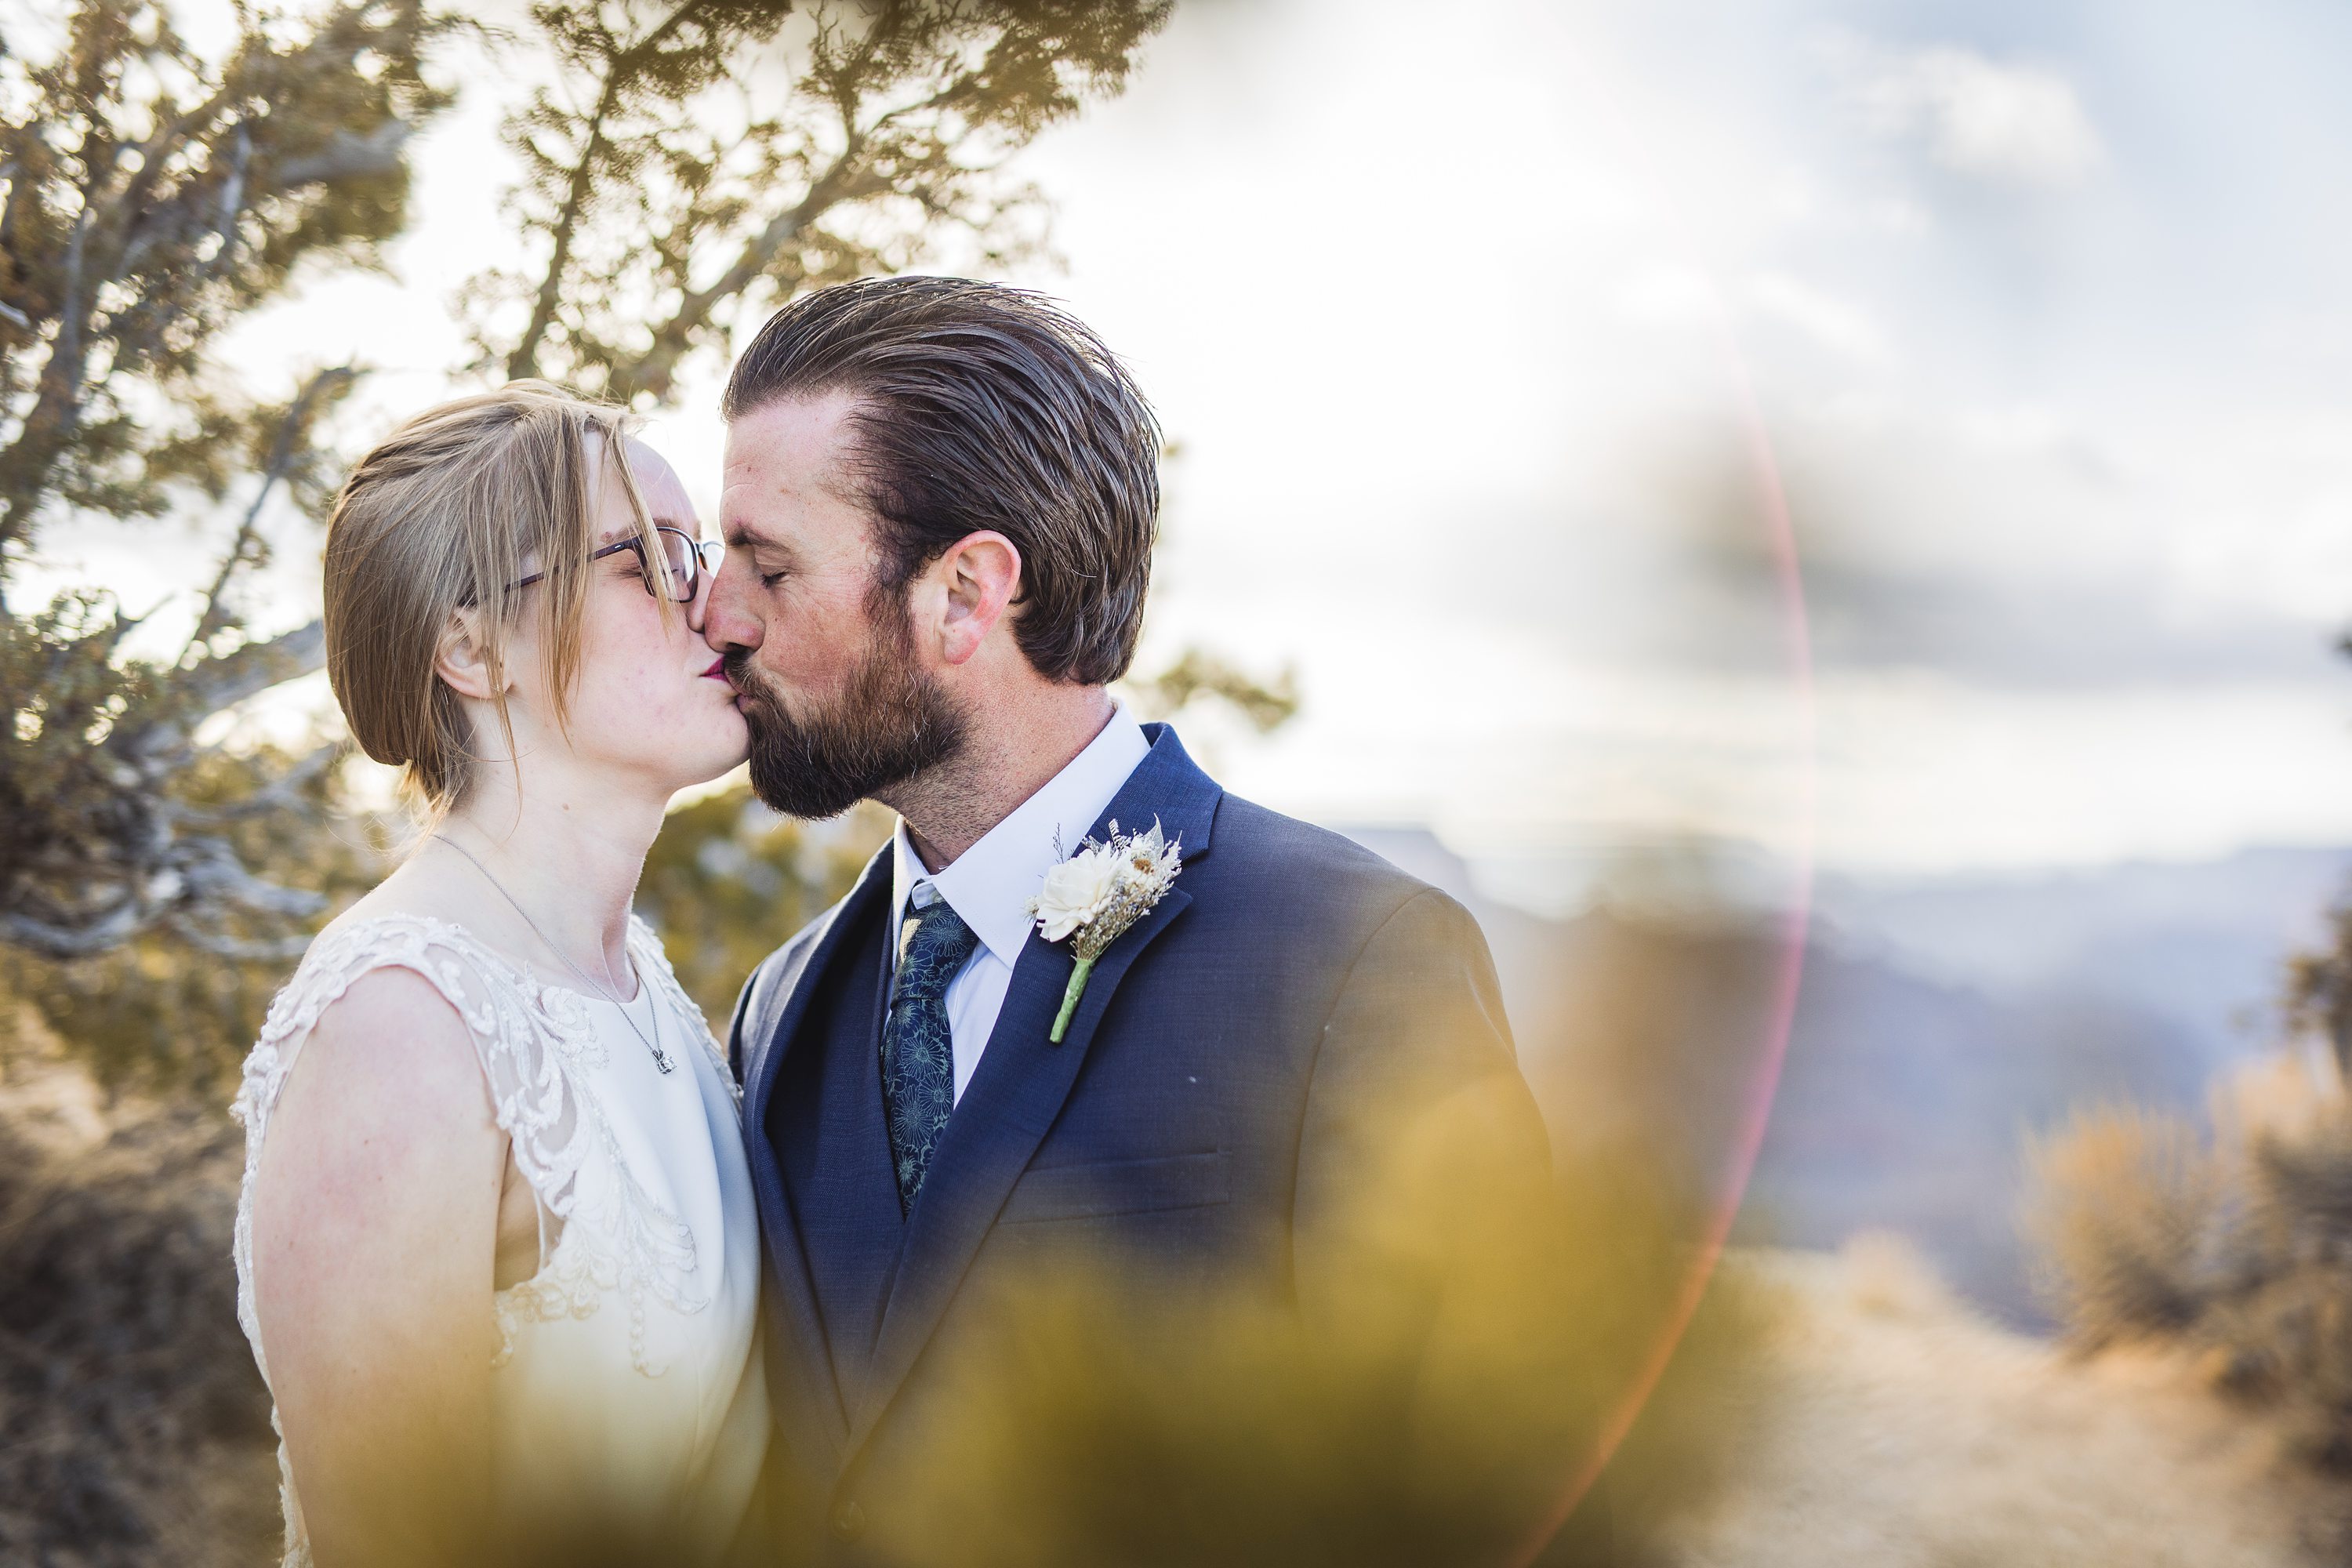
[697, 609]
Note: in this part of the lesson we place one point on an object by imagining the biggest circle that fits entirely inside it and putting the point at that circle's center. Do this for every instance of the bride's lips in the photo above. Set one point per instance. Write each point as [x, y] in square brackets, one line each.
[718, 671]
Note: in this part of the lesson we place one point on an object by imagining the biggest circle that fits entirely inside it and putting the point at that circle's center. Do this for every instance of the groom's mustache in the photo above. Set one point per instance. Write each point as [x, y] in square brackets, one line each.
[741, 674]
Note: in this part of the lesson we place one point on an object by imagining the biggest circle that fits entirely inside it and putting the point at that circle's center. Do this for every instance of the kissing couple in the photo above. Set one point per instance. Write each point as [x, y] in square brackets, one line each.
[538, 1269]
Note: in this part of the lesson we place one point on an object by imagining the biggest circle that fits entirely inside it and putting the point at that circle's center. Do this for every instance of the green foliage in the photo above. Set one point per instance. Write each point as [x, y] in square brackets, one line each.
[117, 820]
[2319, 987]
[728, 881]
[149, 195]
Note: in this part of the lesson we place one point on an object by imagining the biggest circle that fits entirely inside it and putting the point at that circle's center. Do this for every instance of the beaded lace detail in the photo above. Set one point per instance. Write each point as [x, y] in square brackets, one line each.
[600, 1233]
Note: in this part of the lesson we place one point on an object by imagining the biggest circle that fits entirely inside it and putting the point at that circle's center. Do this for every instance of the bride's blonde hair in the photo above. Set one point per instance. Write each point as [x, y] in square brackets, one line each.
[434, 523]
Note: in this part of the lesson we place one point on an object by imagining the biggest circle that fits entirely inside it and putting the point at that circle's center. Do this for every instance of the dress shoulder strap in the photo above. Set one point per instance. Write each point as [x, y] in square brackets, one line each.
[529, 1036]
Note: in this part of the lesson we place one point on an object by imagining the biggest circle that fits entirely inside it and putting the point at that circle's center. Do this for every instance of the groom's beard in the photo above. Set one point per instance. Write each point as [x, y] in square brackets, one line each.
[891, 721]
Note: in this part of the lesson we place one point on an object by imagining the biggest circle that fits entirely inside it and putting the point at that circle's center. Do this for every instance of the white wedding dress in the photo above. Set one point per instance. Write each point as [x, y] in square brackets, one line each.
[628, 1384]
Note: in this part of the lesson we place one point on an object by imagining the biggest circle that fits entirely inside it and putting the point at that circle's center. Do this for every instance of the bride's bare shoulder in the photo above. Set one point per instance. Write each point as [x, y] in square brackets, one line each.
[391, 1050]
[395, 1008]
[390, 1000]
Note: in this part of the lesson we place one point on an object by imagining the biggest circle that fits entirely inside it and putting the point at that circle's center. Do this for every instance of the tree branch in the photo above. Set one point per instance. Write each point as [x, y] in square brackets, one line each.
[620, 74]
[63, 942]
[256, 666]
[215, 684]
[243, 950]
[652, 371]
[293, 433]
[349, 157]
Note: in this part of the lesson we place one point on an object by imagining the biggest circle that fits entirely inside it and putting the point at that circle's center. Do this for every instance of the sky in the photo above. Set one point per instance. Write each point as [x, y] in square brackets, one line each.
[1470, 324]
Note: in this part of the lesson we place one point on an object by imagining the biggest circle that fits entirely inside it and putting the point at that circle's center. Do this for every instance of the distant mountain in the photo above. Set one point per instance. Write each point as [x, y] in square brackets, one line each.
[2202, 943]
[1939, 1023]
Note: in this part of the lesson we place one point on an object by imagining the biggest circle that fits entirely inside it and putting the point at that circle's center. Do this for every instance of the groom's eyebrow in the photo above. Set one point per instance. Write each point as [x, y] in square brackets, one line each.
[740, 535]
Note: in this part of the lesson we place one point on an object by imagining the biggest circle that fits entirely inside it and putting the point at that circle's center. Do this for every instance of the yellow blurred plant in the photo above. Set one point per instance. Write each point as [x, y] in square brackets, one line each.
[1433, 1412]
[2236, 1245]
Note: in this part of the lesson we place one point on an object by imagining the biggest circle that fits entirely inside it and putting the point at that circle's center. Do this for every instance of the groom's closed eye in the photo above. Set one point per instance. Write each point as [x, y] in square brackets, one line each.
[771, 561]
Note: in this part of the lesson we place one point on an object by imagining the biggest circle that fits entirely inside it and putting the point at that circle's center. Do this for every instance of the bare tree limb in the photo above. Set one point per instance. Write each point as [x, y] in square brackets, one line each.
[285, 449]
[621, 76]
[348, 157]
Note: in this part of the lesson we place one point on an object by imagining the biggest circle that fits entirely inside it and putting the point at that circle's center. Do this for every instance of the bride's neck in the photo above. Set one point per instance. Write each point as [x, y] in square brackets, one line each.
[567, 849]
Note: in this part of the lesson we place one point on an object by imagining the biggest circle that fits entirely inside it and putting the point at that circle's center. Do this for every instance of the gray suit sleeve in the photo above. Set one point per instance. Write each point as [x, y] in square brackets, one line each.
[735, 1023]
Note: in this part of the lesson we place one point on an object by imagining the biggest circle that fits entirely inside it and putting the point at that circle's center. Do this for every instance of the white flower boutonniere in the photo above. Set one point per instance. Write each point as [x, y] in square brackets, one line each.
[1095, 894]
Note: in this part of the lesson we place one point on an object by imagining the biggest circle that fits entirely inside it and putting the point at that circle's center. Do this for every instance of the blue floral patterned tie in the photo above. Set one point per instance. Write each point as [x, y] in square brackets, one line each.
[917, 1055]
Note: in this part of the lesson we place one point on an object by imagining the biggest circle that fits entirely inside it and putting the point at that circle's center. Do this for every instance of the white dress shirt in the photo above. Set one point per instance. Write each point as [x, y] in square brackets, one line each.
[990, 884]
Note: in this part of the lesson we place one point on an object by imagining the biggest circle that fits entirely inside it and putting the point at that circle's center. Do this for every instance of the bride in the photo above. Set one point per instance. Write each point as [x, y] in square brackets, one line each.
[495, 1250]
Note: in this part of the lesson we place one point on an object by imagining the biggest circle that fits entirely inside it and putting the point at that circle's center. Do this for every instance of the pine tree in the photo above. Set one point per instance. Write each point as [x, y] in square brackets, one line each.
[683, 162]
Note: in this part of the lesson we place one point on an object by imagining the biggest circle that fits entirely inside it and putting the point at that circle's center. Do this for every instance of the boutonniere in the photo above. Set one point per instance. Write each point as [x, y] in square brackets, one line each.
[1095, 894]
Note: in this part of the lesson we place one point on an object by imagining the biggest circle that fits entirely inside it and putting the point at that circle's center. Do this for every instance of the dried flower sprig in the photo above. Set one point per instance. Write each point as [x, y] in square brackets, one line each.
[1096, 894]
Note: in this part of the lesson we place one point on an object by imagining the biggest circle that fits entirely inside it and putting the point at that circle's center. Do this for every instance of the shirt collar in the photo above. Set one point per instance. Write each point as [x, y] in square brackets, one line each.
[989, 885]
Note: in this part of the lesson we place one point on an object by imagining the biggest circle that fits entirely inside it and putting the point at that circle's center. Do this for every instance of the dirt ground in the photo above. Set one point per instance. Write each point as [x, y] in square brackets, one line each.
[1906, 1431]
[133, 1428]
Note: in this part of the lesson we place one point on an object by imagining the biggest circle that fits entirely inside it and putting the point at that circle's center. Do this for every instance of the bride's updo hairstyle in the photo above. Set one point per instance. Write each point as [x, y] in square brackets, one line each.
[456, 504]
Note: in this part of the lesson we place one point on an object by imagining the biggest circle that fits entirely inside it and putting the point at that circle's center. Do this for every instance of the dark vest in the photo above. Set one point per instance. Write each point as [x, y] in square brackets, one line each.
[832, 1145]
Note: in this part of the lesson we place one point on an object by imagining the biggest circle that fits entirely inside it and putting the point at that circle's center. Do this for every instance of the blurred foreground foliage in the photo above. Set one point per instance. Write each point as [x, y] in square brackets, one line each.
[1435, 1411]
[2233, 1241]
[1442, 1402]
[1100, 1420]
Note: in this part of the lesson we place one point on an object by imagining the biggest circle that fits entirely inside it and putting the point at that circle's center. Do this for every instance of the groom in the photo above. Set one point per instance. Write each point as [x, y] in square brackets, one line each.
[939, 507]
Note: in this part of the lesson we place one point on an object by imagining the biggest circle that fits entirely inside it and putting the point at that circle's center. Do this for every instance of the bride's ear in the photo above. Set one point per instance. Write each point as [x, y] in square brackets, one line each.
[459, 660]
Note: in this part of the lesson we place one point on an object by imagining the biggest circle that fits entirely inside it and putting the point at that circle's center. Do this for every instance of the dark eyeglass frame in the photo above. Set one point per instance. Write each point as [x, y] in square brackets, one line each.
[699, 558]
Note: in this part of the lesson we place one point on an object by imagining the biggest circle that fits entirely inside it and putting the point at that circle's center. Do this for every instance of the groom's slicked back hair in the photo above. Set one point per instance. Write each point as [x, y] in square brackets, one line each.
[984, 406]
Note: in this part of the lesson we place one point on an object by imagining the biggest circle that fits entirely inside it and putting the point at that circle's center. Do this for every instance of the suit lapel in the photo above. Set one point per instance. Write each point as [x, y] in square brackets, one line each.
[872, 884]
[795, 1289]
[1018, 1089]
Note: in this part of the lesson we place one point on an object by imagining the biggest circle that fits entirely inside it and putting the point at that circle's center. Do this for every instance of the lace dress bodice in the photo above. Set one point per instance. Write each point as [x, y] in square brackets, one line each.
[628, 1365]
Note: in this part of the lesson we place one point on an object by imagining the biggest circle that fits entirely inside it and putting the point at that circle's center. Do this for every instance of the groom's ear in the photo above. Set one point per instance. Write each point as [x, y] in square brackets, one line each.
[971, 588]
[459, 659]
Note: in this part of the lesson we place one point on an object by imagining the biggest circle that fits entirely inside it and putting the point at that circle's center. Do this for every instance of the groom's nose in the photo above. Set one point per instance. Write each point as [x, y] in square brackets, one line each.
[728, 619]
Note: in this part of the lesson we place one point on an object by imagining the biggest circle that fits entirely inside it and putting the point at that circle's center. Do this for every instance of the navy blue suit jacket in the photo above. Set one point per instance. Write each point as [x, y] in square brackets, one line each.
[1204, 1116]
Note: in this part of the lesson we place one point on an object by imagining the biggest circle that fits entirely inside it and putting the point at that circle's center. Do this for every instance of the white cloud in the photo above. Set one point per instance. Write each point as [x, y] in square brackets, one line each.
[1673, 294]
[2002, 122]
[1843, 328]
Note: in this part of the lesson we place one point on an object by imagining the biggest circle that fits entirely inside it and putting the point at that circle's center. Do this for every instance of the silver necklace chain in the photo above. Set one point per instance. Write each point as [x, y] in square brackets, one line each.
[653, 1044]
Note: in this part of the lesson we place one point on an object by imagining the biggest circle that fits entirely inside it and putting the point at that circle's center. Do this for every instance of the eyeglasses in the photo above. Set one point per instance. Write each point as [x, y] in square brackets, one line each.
[684, 561]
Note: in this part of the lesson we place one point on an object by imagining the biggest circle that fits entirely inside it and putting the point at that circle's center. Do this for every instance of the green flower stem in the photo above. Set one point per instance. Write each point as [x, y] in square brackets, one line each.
[1077, 988]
